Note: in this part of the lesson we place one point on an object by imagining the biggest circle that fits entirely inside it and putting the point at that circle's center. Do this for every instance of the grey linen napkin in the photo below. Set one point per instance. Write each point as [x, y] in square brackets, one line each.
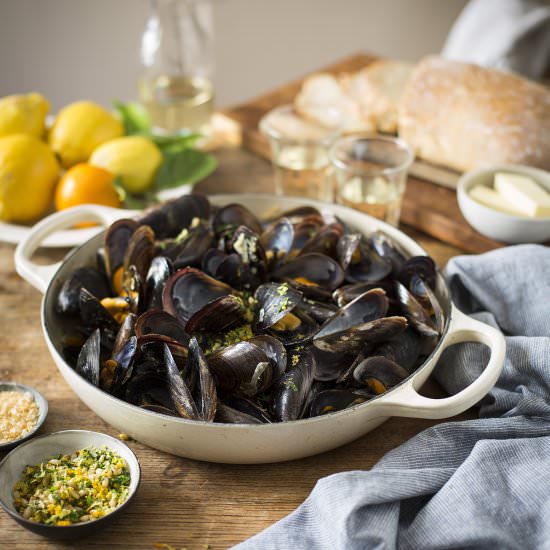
[482, 483]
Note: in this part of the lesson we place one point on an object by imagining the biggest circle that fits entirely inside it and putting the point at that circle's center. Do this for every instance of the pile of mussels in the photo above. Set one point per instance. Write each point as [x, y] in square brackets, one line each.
[211, 314]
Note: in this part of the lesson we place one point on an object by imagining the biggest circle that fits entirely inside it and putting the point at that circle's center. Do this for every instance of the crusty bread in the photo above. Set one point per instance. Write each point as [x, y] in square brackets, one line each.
[463, 116]
[367, 99]
[378, 88]
[321, 94]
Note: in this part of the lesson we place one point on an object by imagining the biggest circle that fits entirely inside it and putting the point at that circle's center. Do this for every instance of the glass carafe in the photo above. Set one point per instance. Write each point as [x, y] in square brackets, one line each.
[177, 60]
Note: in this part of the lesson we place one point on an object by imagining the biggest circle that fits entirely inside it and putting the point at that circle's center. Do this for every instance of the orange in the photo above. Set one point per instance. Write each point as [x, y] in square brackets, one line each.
[85, 183]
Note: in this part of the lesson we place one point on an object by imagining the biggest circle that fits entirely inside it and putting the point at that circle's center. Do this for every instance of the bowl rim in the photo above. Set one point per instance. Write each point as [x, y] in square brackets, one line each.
[134, 409]
[468, 180]
[36, 525]
[42, 403]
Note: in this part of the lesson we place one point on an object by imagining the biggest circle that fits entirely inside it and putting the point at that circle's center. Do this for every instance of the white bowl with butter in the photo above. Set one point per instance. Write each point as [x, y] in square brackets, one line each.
[507, 208]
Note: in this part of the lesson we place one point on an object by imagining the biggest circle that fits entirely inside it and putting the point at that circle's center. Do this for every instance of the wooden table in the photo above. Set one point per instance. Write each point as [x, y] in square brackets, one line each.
[180, 502]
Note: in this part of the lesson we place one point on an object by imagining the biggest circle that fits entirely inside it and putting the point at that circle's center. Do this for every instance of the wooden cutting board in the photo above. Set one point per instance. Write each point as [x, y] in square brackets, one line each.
[427, 206]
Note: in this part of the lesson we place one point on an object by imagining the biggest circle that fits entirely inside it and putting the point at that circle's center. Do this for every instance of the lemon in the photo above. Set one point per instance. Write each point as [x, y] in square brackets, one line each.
[28, 172]
[135, 159]
[81, 127]
[24, 114]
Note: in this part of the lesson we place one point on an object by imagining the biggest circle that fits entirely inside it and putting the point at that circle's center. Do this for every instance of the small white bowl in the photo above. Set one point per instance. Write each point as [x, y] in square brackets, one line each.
[43, 448]
[493, 223]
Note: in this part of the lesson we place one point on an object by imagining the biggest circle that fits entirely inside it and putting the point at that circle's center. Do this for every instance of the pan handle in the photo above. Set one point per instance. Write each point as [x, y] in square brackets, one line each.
[405, 399]
[40, 276]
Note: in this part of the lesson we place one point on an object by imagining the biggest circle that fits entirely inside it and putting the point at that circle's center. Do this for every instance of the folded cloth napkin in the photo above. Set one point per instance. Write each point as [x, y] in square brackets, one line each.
[482, 483]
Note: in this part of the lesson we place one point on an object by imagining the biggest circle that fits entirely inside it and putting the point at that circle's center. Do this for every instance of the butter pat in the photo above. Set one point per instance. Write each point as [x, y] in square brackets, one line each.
[489, 197]
[526, 195]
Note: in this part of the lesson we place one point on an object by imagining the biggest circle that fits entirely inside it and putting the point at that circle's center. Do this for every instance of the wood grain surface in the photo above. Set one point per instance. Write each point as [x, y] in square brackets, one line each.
[427, 206]
[180, 502]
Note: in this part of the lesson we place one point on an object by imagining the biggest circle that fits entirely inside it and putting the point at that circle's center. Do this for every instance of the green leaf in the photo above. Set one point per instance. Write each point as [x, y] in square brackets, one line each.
[174, 144]
[139, 202]
[185, 166]
[134, 117]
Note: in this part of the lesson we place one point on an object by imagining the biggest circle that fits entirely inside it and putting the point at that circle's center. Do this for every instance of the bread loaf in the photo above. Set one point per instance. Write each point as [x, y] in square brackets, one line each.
[463, 116]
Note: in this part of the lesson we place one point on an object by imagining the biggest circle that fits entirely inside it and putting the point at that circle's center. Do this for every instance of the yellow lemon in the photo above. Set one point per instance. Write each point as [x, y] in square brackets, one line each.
[135, 159]
[23, 114]
[28, 172]
[81, 127]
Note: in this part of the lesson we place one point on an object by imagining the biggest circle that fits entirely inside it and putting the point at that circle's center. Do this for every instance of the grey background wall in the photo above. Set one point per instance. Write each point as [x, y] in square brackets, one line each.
[75, 49]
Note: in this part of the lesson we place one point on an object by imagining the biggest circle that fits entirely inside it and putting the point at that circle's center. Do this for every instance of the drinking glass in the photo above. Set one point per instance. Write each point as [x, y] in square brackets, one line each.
[299, 151]
[370, 174]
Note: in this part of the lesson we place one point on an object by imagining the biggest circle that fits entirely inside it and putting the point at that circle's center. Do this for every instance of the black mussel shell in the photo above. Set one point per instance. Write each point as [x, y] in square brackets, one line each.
[248, 407]
[168, 219]
[246, 244]
[159, 271]
[243, 367]
[190, 254]
[277, 241]
[297, 215]
[292, 389]
[275, 352]
[294, 328]
[201, 301]
[94, 315]
[403, 350]
[88, 362]
[303, 233]
[335, 400]
[205, 395]
[325, 241]
[232, 216]
[224, 267]
[148, 387]
[379, 373]
[274, 302]
[418, 317]
[179, 392]
[312, 270]
[359, 262]
[427, 298]
[320, 311]
[91, 279]
[140, 251]
[423, 266]
[154, 323]
[330, 365]
[228, 415]
[125, 332]
[117, 238]
[347, 293]
[387, 248]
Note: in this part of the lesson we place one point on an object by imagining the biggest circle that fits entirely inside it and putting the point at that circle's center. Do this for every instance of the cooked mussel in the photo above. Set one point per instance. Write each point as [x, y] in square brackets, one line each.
[335, 400]
[91, 279]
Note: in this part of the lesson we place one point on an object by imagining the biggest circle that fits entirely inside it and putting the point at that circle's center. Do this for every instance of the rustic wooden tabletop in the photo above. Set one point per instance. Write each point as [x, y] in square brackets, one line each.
[183, 503]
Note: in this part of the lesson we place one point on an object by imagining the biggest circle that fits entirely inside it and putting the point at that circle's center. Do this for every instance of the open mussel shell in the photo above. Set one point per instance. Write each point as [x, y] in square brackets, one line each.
[148, 388]
[347, 330]
[116, 371]
[88, 362]
[277, 241]
[316, 270]
[191, 251]
[359, 262]
[295, 327]
[330, 365]
[419, 318]
[168, 219]
[347, 293]
[427, 298]
[179, 392]
[388, 249]
[422, 266]
[224, 267]
[201, 302]
[205, 395]
[125, 332]
[159, 271]
[246, 244]
[336, 399]
[379, 373]
[140, 251]
[156, 325]
[94, 315]
[320, 311]
[117, 238]
[403, 350]
[325, 241]
[232, 216]
[274, 302]
[243, 367]
[292, 389]
[91, 279]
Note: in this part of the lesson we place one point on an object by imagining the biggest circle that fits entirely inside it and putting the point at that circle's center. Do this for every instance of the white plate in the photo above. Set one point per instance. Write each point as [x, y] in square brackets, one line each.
[14, 233]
